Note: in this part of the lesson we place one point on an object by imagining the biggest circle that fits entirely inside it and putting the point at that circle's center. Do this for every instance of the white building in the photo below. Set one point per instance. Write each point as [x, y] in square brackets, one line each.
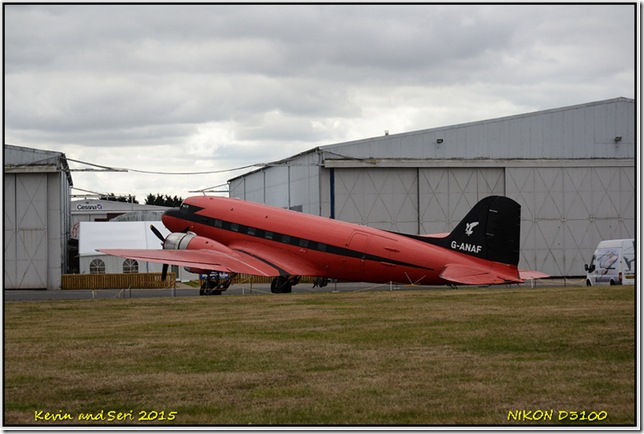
[571, 169]
[99, 210]
[121, 235]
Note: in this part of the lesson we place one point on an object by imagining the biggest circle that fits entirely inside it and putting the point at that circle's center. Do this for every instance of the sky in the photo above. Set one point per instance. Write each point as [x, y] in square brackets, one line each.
[209, 88]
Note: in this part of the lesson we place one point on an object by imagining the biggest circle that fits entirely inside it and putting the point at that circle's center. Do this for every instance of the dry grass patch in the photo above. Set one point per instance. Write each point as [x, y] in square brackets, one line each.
[447, 357]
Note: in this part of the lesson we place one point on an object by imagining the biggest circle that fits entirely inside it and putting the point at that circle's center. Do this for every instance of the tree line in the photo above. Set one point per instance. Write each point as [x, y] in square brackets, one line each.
[151, 199]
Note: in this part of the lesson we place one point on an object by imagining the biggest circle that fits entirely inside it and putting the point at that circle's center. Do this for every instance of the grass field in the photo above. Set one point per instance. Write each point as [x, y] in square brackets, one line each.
[497, 356]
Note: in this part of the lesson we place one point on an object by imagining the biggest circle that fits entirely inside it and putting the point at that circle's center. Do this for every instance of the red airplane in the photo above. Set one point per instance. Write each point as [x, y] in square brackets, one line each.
[220, 234]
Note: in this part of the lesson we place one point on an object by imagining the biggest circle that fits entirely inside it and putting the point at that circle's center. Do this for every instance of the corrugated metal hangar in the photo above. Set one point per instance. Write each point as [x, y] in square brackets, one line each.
[572, 169]
[36, 217]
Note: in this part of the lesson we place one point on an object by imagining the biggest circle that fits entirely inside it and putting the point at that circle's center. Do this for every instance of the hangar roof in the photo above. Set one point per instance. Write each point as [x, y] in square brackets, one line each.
[596, 130]
[22, 159]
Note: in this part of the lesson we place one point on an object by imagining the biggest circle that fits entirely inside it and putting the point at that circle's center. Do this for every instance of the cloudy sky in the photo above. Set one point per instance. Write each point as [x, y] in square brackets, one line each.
[206, 88]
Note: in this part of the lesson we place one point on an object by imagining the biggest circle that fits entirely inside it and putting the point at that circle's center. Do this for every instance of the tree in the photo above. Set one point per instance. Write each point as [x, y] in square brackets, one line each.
[163, 200]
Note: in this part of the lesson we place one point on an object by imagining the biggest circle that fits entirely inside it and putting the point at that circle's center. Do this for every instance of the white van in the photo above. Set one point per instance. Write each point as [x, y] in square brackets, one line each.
[613, 263]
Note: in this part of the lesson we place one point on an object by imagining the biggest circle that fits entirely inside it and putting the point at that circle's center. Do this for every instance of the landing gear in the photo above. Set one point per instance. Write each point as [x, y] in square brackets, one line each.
[320, 282]
[284, 284]
[215, 283]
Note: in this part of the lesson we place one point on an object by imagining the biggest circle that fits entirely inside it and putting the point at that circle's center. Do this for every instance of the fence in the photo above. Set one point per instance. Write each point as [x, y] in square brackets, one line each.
[117, 281]
[243, 278]
[144, 280]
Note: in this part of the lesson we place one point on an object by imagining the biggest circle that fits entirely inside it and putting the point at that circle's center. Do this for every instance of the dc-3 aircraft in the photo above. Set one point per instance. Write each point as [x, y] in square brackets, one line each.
[232, 236]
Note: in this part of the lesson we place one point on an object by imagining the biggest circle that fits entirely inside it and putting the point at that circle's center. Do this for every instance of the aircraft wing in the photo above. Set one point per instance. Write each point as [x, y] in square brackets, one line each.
[288, 263]
[473, 275]
[235, 262]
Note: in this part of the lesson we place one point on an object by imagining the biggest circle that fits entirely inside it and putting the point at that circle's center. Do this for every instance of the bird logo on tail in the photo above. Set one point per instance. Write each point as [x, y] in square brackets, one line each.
[469, 228]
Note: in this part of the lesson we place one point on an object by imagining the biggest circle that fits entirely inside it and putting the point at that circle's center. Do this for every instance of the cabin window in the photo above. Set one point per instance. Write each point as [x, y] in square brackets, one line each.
[234, 227]
[251, 231]
[268, 235]
[286, 239]
[219, 224]
[130, 266]
[322, 247]
[97, 266]
[304, 243]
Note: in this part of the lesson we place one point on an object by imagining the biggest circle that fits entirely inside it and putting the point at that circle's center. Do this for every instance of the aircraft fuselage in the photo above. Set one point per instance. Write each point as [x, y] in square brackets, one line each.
[326, 247]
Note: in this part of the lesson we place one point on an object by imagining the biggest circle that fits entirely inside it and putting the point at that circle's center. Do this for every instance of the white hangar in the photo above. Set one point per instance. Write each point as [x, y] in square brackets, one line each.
[571, 169]
[37, 217]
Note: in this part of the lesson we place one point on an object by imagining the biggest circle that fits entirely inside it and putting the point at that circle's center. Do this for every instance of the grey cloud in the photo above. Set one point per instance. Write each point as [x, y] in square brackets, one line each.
[254, 76]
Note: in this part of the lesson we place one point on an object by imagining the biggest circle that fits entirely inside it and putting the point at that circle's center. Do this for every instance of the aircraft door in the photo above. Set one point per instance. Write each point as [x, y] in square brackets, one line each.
[354, 258]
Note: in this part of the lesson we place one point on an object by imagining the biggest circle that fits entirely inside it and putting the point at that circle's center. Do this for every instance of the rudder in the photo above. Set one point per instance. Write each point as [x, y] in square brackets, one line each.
[489, 231]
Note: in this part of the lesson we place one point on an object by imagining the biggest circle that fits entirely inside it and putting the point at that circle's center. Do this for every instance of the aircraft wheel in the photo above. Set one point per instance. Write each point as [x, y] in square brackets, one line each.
[281, 285]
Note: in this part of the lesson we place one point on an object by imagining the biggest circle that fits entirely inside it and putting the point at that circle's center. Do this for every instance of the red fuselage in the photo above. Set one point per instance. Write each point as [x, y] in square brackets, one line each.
[330, 248]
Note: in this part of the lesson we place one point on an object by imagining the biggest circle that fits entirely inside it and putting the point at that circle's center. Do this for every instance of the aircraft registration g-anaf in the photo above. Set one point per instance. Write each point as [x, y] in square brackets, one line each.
[210, 233]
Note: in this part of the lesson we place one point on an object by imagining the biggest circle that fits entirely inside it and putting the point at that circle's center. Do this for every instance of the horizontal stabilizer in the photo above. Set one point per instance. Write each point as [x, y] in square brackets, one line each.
[532, 274]
[473, 275]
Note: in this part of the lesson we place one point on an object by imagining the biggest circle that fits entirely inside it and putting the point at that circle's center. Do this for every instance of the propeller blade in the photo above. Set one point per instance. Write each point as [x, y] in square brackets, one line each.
[164, 272]
[157, 233]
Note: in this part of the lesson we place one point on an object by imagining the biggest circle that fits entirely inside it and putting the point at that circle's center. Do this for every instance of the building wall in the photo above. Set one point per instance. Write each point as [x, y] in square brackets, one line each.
[36, 218]
[292, 186]
[90, 210]
[36, 228]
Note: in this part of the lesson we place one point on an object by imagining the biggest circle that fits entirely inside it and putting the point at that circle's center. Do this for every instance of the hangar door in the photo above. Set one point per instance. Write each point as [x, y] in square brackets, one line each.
[412, 200]
[446, 195]
[25, 231]
[566, 211]
[383, 198]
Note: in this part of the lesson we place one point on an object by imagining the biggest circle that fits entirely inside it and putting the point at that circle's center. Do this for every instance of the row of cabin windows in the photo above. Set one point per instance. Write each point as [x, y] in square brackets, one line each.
[286, 239]
[97, 266]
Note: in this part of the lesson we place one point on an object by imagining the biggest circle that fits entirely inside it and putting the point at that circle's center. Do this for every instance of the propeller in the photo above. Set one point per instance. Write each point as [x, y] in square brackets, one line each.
[157, 233]
[164, 269]
[164, 272]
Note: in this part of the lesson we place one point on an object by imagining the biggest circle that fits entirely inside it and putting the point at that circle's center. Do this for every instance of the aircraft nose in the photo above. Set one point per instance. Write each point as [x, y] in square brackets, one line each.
[171, 212]
[169, 217]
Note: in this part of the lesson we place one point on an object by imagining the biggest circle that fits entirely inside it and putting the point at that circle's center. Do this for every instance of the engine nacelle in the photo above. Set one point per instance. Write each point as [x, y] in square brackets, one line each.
[192, 241]
[178, 240]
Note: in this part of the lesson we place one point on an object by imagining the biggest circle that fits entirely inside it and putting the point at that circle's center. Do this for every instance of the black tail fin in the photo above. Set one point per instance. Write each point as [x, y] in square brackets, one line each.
[489, 231]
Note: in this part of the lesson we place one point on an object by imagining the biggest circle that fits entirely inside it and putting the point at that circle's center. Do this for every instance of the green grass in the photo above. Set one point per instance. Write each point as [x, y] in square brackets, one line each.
[432, 357]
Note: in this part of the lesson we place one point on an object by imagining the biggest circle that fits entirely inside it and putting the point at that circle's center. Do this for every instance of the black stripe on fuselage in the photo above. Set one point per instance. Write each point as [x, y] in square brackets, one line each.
[189, 213]
[267, 262]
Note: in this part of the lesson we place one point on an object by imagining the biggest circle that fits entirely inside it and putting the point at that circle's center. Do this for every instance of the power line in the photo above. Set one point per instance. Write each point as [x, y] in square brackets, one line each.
[152, 172]
[210, 172]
